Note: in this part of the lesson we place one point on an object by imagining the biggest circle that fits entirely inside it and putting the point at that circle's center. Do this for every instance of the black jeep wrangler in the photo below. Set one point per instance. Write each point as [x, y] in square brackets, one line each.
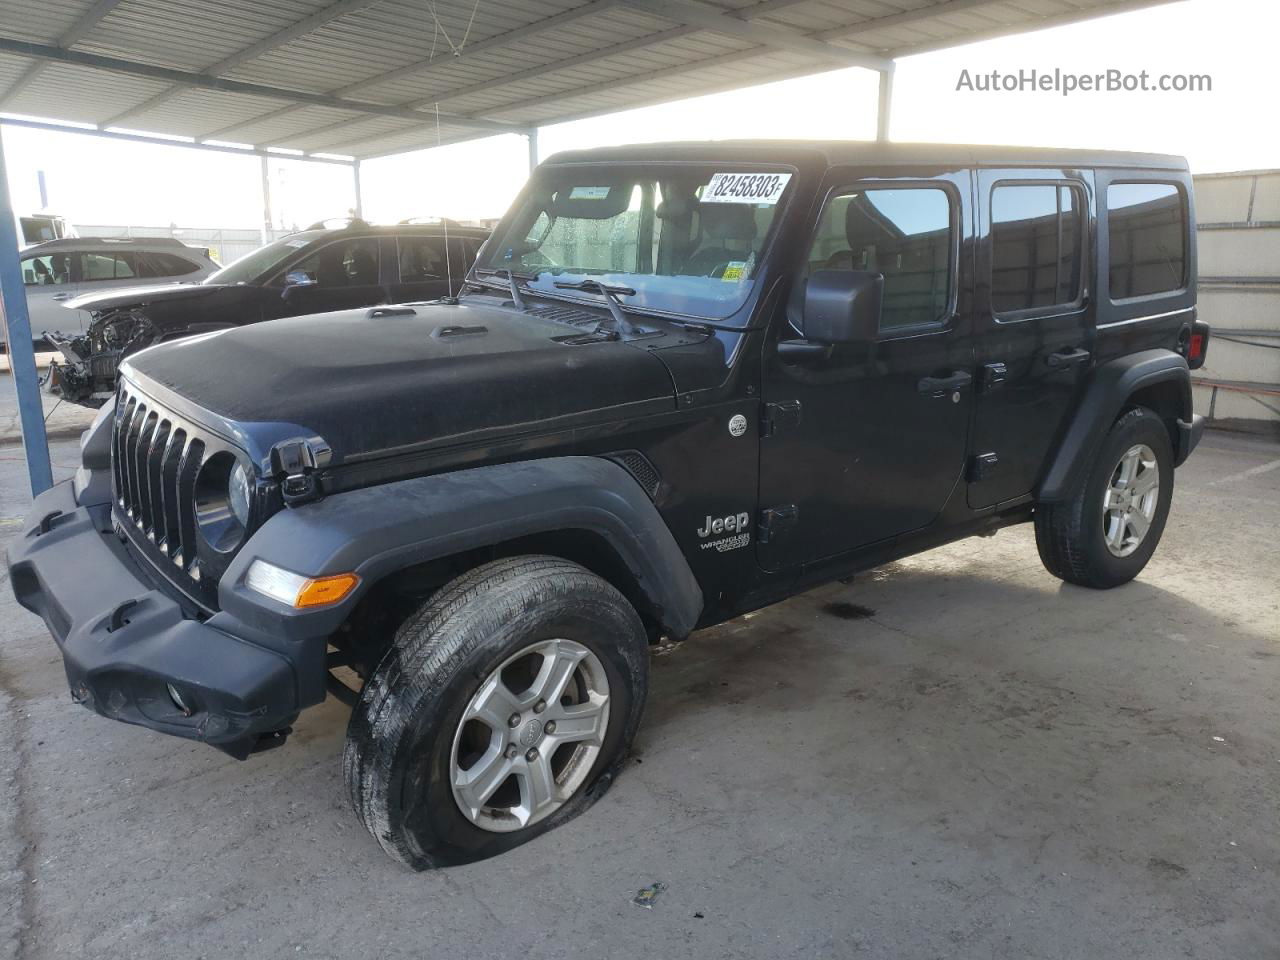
[684, 381]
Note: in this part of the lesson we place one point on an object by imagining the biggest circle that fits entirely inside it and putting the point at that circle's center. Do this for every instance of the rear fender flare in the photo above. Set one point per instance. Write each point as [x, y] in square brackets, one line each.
[379, 530]
[1104, 398]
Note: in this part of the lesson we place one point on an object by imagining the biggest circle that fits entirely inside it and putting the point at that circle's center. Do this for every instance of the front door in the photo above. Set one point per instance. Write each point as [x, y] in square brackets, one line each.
[1034, 328]
[868, 441]
[343, 274]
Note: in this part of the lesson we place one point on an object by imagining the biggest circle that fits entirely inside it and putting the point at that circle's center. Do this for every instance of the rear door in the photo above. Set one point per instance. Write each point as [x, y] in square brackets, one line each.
[1034, 322]
[867, 441]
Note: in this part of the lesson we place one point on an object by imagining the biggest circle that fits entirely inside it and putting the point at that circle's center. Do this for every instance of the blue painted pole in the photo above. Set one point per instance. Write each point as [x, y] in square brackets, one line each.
[22, 357]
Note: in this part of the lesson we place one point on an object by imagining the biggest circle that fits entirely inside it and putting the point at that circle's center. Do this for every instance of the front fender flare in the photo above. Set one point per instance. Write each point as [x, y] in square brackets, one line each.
[378, 530]
[1110, 386]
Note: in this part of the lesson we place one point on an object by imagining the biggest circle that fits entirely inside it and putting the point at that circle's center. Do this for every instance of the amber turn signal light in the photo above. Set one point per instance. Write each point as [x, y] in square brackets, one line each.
[319, 591]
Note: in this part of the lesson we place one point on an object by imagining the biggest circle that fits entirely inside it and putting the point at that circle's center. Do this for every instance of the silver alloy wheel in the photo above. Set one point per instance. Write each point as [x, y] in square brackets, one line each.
[530, 735]
[1130, 500]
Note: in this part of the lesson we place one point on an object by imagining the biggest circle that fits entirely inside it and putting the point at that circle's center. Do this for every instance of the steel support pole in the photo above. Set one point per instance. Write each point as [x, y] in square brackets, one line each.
[266, 203]
[885, 104]
[532, 137]
[355, 174]
[17, 336]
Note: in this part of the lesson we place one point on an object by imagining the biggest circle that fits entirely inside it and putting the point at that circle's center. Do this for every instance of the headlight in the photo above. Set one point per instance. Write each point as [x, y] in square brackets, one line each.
[223, 494]
[239, 490]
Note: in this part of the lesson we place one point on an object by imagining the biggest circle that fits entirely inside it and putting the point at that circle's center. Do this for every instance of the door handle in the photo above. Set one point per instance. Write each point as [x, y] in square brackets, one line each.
[940, 386]
[62, 296]
[1067, 358]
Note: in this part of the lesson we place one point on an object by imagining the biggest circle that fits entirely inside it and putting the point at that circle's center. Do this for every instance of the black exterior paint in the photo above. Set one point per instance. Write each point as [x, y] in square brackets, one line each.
[870, 468]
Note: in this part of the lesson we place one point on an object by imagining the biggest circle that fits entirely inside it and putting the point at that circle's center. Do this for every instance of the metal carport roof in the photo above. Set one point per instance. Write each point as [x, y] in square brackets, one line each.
[364, 78]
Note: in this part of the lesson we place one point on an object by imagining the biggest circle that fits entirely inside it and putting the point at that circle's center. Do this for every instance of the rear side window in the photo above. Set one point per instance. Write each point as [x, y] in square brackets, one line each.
[1036, 251]
[422, 258]
[1148, 233]
[904, 234]
[165, 265]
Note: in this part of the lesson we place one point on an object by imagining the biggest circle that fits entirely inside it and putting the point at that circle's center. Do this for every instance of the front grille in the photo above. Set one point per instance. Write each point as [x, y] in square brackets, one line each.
[155, 459]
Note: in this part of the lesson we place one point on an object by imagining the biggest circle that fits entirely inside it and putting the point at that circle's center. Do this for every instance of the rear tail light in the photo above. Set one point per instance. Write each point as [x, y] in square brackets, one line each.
[1198, 345]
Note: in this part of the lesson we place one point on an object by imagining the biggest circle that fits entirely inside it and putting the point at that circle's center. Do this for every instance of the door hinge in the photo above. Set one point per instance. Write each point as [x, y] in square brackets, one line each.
[992, 375]
[296, 462]
[779, 416]
[982, 466]
[775, 521]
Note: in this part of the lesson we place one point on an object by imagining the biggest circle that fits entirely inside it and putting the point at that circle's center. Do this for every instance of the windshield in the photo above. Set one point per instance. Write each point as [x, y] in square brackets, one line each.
[263, 260]
[686, 238]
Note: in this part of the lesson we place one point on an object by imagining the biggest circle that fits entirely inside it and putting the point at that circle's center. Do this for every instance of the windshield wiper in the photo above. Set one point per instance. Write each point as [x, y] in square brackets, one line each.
[610, 294]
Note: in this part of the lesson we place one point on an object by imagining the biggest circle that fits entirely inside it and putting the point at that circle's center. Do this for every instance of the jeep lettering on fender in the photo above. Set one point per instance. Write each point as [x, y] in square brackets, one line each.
[481, 506]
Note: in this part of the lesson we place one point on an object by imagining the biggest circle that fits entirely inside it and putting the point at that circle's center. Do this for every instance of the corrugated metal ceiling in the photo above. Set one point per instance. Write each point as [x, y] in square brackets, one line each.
[364, 77]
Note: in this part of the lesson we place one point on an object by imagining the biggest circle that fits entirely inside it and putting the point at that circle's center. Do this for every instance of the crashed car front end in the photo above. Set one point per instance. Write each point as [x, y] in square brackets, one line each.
[86, 374]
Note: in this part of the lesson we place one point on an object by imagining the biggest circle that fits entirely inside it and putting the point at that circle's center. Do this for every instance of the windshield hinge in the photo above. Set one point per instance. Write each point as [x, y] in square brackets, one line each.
[295, 462]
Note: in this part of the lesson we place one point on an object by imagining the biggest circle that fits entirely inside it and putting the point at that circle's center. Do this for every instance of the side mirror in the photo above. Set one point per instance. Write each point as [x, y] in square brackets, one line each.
[842, 306]
[294, 279]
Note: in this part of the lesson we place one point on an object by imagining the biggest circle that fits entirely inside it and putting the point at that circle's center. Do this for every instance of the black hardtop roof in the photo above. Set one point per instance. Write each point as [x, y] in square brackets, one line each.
[834, 153]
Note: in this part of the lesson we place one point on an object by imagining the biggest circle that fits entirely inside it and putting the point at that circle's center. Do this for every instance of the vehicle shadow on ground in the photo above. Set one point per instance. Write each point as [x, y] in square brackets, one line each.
[899, 634]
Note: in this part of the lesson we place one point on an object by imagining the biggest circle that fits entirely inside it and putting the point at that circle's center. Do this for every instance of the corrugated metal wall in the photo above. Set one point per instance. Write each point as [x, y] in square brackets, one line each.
[1238, 218]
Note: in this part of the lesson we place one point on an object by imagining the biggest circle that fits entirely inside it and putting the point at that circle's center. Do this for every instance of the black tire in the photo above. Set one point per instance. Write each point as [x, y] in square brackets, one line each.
[398, 755]
[1069, 533]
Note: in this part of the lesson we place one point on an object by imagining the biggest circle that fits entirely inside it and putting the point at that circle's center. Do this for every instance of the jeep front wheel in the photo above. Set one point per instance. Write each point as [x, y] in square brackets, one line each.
[502, 709]
[1105, 532]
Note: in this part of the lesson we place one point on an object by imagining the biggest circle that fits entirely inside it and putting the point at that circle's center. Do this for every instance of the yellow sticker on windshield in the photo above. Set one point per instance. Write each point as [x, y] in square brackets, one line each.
[734, 270]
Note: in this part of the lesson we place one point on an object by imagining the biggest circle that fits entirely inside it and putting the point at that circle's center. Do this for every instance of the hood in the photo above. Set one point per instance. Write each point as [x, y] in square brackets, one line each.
[128, 296]
[374, 382]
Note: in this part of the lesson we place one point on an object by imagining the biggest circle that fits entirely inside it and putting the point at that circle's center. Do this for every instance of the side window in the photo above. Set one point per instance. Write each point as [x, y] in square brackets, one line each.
[108, 266]
[1148, 233]
[422, 258]
[164, 265]
[45, 271]
[1036, 250]
[904, 233]
[462, 253]
[348, 263]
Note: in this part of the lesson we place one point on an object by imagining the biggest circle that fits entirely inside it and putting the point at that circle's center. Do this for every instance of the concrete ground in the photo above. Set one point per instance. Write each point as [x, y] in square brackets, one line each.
[63, 421]
[954, 756]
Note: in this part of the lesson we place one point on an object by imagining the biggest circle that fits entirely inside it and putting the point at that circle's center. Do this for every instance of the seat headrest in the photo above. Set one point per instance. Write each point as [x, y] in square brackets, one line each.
[675, 207]
[728, 221]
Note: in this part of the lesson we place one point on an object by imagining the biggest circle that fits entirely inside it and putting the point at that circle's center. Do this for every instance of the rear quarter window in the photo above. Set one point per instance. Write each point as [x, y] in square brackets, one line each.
[1147, 228]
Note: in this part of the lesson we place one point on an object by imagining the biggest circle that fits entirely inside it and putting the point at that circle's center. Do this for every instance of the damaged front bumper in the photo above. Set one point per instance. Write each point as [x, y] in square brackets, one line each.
[135, 652]
[82, 376]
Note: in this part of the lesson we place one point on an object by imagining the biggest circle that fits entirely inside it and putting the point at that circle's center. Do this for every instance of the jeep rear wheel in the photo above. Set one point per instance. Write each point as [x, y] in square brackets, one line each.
[502, 709]
[1105, 532]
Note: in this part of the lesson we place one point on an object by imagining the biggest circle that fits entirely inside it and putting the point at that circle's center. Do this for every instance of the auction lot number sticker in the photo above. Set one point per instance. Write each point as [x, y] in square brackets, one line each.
[763, 188]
